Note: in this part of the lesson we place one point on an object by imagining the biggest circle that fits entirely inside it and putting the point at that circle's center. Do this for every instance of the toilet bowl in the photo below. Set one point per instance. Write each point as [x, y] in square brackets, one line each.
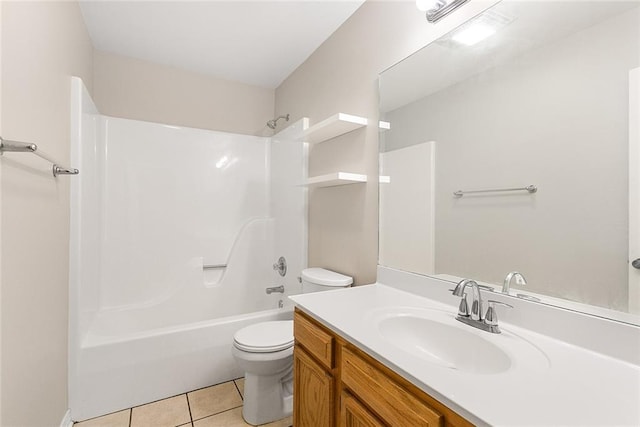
[264, 351]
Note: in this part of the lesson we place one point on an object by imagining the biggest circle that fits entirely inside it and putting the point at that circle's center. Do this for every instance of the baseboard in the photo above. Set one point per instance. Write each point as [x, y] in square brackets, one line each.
[66, 420]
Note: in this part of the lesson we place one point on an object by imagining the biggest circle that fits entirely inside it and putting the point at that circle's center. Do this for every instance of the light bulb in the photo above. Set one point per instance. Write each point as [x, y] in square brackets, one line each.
[473, 34]
[425, 5]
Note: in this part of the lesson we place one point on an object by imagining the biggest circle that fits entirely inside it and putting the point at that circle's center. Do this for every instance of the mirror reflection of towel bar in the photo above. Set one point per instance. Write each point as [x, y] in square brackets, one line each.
[529, 188]
[214, 266]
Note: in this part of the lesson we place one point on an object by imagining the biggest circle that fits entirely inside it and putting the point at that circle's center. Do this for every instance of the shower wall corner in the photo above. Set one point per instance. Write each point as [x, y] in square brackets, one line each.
[83, 249]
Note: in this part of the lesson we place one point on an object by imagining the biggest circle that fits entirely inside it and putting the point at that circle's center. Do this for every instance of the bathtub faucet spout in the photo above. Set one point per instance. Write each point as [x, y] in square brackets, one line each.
[273, 289]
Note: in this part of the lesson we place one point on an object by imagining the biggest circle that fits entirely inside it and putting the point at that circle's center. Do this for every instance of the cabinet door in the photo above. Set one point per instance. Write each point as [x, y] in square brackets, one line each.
[312, 392]
[395, 405]
[354, 414]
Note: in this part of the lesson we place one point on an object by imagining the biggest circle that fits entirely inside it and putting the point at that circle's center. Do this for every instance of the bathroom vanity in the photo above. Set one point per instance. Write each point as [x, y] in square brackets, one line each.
[336, 383]
[392, 353]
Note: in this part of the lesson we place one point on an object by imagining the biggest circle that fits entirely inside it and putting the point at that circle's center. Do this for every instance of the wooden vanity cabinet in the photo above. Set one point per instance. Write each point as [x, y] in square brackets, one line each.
[337, 384]
[314, 374]
[313, 392]
[355, 414]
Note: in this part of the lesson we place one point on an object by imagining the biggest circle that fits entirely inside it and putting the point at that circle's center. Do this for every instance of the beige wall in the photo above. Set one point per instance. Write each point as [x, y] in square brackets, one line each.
[43, 43]
[341, 76]
[142, 90]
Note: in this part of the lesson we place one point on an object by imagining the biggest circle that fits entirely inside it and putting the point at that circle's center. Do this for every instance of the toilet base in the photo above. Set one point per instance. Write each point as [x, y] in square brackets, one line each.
[267, 398]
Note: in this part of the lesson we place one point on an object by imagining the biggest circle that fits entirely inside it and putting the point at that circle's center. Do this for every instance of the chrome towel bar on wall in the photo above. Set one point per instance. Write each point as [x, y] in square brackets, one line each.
[529, 189]
[24, 147]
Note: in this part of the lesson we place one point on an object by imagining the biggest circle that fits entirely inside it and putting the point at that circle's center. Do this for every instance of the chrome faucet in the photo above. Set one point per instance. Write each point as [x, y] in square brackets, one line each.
[476, 304]
[477, 319]
[273, 289]
[520, 280]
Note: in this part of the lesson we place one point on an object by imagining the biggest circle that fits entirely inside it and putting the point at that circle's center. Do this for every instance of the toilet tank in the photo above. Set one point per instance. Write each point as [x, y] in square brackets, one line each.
[320, 279]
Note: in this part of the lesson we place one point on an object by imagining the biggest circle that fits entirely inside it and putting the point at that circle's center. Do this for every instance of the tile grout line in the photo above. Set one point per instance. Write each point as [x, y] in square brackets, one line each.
[217, 413]
[189, 406]
[212, 385]
[238, 389]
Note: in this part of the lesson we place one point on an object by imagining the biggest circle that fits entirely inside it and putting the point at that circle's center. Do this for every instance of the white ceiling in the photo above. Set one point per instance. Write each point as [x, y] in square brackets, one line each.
[254, 42]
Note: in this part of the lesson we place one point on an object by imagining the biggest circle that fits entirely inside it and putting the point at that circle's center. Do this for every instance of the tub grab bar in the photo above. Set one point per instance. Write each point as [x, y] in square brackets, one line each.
[214, 266]
[23, 147]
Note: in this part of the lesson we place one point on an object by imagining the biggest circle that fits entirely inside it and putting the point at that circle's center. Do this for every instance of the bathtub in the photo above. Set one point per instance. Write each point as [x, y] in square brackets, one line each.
[116, 371]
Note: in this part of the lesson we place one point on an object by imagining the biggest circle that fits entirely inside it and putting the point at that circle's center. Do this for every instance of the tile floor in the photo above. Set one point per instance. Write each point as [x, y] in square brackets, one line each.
[216, 406]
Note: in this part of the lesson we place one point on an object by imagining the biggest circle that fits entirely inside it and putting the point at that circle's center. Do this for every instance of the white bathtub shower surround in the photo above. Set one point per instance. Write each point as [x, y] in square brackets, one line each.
[154, 207]
[173, 200]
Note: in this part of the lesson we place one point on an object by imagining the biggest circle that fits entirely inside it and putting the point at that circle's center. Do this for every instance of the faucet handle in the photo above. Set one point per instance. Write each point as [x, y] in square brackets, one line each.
[281, 266]
[491, 318]
[463, 308]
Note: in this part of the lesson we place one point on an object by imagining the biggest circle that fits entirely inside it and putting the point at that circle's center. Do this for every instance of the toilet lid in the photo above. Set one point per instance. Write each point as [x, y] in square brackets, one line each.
[323, 277]
[265, 337]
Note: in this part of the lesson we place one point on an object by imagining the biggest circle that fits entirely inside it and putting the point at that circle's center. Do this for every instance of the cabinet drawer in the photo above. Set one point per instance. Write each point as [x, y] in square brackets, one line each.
[314, 339]
[395, 405]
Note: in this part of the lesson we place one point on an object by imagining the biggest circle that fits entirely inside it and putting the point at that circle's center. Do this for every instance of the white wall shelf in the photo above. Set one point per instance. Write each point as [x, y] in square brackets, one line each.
[334, 126]
[334, 179]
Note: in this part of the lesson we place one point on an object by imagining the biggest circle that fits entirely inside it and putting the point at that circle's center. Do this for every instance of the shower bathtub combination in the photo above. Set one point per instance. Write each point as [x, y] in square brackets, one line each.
[174, 232]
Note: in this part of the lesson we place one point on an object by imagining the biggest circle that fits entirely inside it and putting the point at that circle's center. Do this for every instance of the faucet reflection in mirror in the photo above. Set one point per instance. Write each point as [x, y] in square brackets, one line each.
[438, 9]
[520, 281]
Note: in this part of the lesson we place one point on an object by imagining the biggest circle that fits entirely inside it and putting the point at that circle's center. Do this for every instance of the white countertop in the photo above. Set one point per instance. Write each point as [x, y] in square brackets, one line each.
[571, 386]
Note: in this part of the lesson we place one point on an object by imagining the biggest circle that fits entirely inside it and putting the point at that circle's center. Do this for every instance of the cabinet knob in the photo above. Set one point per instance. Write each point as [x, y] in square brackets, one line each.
[636, 263]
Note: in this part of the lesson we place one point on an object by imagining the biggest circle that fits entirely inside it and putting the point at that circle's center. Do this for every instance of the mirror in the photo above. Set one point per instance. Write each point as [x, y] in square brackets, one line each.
[544, 100]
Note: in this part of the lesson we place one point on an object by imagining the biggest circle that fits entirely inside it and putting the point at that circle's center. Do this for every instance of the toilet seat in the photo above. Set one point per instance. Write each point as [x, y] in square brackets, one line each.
[265, 337]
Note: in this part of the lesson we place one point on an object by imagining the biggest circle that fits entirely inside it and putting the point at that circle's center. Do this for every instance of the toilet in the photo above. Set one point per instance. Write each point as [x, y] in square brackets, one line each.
[264, 351]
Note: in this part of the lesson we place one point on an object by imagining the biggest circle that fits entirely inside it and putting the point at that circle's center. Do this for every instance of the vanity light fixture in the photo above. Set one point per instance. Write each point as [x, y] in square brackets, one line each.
[438, 9]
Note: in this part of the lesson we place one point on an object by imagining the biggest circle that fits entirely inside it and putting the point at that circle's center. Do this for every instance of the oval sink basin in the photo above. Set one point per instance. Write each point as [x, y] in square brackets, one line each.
[449, 346]
[436, 337]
